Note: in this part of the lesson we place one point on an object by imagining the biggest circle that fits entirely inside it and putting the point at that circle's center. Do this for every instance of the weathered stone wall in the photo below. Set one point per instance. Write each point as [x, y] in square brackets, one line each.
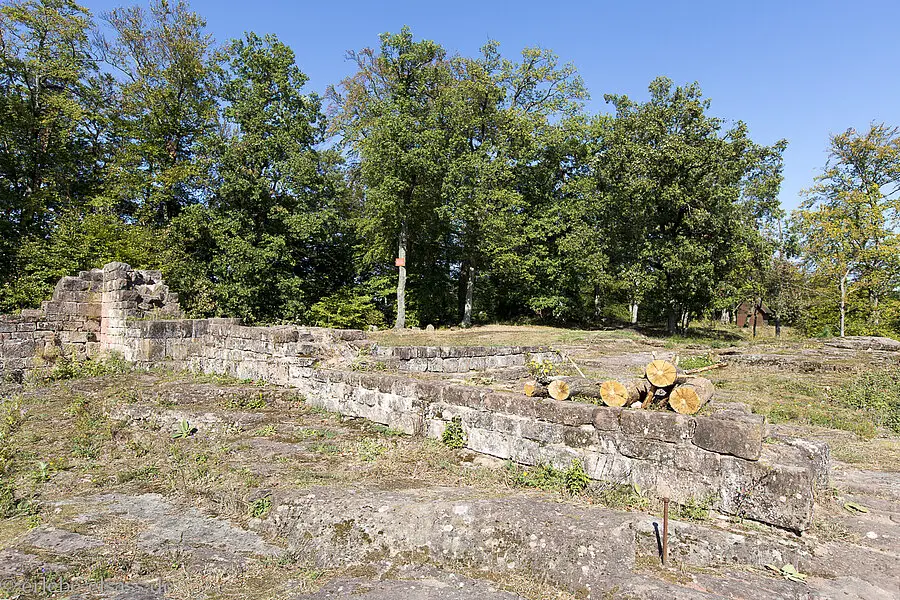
[460, 359]
[68, 325]
[87, 314]
[721, 456]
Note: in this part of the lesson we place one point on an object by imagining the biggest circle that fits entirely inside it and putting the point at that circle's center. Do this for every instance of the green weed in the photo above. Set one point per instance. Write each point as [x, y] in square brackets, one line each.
[694, 509]
[259, 508]
[454, 437]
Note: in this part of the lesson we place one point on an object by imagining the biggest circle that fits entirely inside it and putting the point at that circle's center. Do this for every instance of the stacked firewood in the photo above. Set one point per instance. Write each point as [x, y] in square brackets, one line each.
[663, 384]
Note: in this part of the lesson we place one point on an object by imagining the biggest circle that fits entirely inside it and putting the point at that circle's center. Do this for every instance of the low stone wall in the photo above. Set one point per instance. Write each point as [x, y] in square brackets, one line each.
[460, 359]
[721, 456]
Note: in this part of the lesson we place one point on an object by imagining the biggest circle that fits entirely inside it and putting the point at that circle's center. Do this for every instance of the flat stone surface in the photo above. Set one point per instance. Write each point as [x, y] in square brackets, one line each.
[59, 541]
[435, 586]
[16, 563]
[581, 546]
[212, 542]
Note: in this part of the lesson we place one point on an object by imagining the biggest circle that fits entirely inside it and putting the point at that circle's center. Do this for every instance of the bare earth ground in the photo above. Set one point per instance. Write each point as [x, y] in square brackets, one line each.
[258, 495]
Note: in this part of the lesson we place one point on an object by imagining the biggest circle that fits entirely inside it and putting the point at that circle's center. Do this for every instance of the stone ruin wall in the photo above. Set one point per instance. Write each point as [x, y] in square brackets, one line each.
[86, 315]
[726, 456]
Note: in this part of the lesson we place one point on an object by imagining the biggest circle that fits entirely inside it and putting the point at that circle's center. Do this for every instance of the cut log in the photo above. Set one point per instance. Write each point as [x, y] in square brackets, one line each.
[622, 393]
[579, 386]
[558, 389]
[661, 373]
[689, 397]
[533, 389]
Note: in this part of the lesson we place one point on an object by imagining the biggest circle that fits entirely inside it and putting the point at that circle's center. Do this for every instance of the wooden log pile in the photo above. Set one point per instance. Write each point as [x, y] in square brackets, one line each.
[663, 385]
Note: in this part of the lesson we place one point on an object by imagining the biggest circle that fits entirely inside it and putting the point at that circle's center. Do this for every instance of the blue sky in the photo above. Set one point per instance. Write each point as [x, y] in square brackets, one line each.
[794, 69]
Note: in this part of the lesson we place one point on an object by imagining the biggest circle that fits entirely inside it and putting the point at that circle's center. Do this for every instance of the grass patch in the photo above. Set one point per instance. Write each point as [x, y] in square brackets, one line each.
[139, 474]
[259, 508]
[697, 362]
[822, 414]
[65, 368]
[245, 402]
[695, 509]
[878, 394]
[573, 480]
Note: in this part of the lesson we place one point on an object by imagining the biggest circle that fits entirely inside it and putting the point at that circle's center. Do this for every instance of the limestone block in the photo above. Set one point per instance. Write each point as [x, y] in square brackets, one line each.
[781, 495]
[580, 437]
[606, 418]
[696, 460]
[464, 395]
[644, 449]
[512, 404]
[734, 433]
[543, 431]
[657, 425]
[567, 413]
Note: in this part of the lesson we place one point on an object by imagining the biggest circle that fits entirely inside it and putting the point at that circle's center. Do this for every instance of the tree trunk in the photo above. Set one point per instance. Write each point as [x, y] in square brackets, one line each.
[533, 389]
[562, 388]
[401, 279]
[670, 324]
[755, 313]
[724, 318]
[470, 295]
[662, 373]
[876, 317]
[777, 325]
[634, 312]
[843, 302]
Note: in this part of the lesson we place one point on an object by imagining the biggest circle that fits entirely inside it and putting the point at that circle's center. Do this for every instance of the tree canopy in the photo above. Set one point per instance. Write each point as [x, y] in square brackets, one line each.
[135, 136]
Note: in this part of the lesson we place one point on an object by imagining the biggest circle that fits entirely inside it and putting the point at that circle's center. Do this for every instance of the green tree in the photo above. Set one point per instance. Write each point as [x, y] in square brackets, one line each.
[390, 118]
[850, 217]
[269, 242]
[691, 193]
[49, 147]
[164, 107]
[498, 112]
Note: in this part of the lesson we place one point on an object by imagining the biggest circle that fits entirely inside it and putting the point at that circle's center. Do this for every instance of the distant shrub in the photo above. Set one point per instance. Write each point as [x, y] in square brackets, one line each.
[348, 308]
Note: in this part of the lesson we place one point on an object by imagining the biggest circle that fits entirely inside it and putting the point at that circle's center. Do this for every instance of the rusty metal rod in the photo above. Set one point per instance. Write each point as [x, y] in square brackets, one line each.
[665, 540]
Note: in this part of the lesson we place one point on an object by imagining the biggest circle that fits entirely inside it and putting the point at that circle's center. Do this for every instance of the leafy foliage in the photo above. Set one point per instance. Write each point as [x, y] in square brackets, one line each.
[156, 146]
[878, 393]
[454, 436]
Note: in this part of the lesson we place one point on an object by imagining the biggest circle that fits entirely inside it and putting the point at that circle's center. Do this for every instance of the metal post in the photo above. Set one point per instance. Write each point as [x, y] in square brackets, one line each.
[665, 536]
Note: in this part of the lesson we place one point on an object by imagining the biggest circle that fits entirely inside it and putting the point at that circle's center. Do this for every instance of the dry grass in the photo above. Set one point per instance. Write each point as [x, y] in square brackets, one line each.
[499, 335]
[711, 334]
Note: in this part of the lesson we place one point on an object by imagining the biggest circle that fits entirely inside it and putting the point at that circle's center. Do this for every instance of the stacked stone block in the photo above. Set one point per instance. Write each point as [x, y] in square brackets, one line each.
[131, 294]
[67, 325]
[721, 456]
[460, 359]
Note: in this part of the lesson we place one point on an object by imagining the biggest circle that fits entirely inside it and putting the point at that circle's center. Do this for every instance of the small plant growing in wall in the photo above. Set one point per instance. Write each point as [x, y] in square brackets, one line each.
[575, 480]
[454, 437]
[540, 368]
[184, 430]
